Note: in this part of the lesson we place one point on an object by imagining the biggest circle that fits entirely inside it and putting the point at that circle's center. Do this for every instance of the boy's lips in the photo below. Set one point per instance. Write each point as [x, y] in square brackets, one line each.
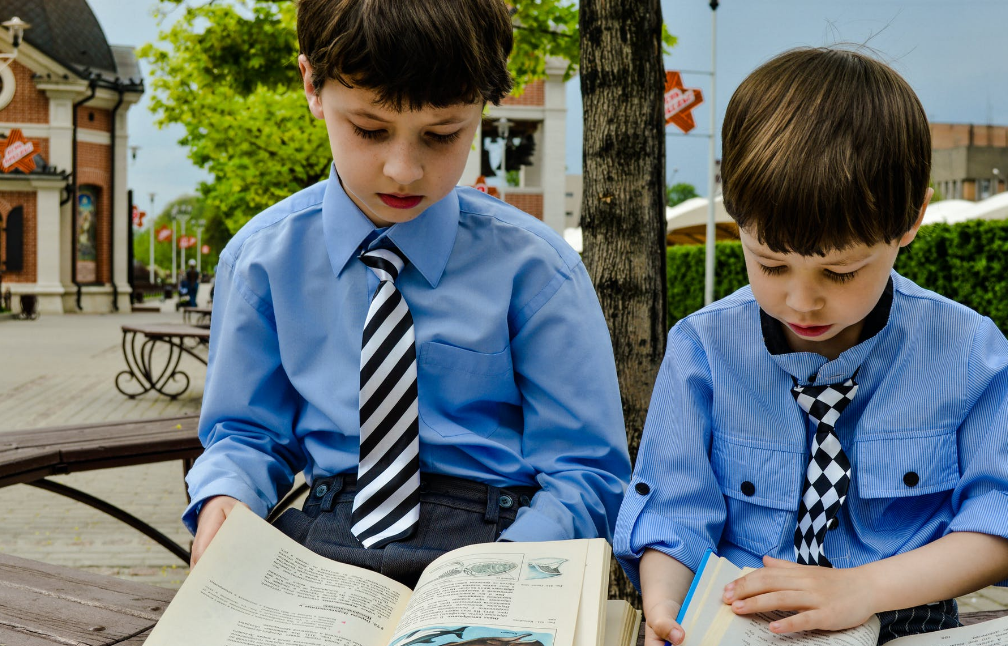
[400, 201]
[809, 330]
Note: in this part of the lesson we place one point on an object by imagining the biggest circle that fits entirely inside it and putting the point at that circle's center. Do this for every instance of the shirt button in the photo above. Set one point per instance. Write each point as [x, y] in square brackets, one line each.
[833, 523]
[911, 479]
[321, 490]
[642, 488]
[748, 488]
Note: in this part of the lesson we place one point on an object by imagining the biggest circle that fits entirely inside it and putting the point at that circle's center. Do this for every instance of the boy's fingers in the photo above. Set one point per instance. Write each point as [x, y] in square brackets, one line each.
[656, 633]
[769, 561]
[796, 622]
[780, 600]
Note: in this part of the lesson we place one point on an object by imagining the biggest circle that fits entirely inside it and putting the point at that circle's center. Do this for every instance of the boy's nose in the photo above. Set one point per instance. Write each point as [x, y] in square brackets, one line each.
[403, 166]
[802, 298]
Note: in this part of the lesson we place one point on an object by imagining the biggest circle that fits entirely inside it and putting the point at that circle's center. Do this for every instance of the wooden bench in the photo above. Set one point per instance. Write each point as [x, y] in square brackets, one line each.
[198, 316]
[29, 457]
[43, 605]
[152, 354]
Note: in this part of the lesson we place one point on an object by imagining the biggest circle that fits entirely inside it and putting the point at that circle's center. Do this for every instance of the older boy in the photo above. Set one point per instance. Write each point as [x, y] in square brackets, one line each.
[434, 360]
[831, 413]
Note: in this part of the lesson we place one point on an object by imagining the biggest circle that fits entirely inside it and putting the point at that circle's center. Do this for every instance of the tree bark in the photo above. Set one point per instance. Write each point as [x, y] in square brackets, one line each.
[623, 209]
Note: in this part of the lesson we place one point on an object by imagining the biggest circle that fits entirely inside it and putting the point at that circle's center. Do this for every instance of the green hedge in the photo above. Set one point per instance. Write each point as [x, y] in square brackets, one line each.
[966, 262]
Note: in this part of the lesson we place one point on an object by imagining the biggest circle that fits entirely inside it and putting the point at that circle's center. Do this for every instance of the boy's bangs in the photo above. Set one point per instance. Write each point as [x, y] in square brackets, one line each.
[414, 54]
[808, 207]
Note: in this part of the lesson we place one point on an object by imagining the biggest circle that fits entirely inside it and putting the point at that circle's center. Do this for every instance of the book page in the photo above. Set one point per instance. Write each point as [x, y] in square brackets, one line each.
[594, 591]
[710, 622]
[254, 586]
[498, 594]
[985, 633]
[622, 623]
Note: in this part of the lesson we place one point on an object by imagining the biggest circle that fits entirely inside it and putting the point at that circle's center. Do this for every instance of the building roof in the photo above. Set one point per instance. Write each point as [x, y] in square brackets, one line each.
[68, 32]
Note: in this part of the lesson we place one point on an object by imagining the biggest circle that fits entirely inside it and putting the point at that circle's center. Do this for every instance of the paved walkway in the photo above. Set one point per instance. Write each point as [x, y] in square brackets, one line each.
[60, 370]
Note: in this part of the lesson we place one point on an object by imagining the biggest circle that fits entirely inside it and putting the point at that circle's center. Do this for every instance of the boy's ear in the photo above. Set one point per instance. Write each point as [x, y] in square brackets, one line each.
[314, 100]
[912, 233]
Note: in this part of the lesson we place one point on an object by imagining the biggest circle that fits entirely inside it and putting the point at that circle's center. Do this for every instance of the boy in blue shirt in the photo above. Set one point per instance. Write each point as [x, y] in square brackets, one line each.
[831, 422]
[434, 360]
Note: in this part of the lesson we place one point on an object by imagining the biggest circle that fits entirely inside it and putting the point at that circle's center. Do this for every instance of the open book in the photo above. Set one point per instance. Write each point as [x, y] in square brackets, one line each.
[254, 586]
[708, 621]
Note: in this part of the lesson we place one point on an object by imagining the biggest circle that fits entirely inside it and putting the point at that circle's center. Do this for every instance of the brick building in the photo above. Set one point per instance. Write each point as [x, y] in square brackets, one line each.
[64, 223]
[537, 130]
[969, 162]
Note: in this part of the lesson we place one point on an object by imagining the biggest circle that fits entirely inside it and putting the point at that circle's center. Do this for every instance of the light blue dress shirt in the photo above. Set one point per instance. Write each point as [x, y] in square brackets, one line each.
[927, 436]
[516, 378]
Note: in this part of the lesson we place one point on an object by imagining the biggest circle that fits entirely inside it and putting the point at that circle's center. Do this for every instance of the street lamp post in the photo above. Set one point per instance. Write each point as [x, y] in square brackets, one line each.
[711, 230]
[150, 222]
[199, 225]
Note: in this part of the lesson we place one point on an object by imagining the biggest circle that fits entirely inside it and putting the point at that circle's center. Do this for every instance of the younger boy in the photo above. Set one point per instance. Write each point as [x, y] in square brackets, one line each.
[434, 360]
[832, 412]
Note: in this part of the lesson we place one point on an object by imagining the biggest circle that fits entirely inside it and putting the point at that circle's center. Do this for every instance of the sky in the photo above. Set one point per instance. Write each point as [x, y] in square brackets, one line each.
[954, 53]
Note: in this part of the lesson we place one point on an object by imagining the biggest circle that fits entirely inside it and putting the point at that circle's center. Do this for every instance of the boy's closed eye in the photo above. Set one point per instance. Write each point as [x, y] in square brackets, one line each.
[836, 276]
[379, 134]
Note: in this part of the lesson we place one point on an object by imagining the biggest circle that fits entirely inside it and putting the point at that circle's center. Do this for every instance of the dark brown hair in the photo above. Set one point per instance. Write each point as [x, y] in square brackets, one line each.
[411, 53]
[823, 149]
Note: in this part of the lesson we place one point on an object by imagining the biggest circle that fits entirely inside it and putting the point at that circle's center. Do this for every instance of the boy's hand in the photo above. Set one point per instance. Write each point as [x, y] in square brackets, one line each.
[211, 517]
[823, 598]
[664, 583]
[660, 625]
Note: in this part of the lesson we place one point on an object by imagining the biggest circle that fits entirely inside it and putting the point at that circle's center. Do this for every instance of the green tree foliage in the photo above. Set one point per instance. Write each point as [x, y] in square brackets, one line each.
[227, 72]
[679, 193]
[966, 262]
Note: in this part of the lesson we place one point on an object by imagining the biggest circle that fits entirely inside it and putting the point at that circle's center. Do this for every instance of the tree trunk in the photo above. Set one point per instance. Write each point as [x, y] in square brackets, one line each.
[623, 210]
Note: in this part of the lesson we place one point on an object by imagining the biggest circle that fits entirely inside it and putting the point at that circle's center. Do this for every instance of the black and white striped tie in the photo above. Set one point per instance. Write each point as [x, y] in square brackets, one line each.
[387, 503]
[828, 476]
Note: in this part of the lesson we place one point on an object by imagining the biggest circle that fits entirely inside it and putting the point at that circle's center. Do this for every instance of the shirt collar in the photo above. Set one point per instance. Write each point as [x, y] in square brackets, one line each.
[426, 240]
[808, 366]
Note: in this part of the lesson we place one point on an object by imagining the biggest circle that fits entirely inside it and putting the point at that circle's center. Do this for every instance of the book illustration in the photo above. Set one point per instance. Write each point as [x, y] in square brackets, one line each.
[474, 636]
[481, 566]
[545, 568]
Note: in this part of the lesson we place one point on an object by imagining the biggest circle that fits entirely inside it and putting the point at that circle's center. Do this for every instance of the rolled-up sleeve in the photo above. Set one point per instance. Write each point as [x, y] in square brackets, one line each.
[574, 436]
[674, 503]
[249, 406]
[980, 499]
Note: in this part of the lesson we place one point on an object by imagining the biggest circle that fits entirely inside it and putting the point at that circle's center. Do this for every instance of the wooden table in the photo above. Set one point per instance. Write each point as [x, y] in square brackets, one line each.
[198, 316]
[147, 369]
[46, 605]
[28, 457]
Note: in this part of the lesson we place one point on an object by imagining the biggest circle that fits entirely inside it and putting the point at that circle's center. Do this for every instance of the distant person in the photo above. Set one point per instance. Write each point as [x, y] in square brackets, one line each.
[433, 359]
[192, 282]
[832, 424]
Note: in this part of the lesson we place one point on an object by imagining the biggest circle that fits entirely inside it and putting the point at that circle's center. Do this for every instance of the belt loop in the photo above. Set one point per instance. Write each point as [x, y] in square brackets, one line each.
[493, 504]
[335, 486]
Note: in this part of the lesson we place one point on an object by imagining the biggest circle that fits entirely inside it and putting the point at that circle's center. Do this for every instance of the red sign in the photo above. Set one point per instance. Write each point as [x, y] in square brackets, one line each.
[138, 216]
[164, 234]
[680, 101]
[18, 152]
[205, 249]
[482, 187]
[185, 242]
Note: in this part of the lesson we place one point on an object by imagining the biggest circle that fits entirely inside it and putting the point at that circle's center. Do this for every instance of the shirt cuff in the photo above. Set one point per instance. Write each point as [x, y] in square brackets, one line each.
[983, 514]
[532, 526]
[190, 517]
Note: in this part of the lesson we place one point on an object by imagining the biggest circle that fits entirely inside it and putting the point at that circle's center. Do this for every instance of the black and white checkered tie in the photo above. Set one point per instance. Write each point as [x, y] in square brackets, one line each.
[386, 506]
[828, 476]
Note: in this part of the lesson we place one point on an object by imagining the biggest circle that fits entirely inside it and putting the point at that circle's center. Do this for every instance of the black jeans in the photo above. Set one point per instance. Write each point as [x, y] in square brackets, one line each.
[453, 512]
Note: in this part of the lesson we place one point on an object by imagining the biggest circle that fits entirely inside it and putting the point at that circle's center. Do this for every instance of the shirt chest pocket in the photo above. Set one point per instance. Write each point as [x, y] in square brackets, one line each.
[762, 488]
[462, 391]
[904, 478]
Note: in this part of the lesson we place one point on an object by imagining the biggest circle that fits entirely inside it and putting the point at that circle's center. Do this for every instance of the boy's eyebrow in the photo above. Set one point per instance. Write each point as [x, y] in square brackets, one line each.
[361, 112]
